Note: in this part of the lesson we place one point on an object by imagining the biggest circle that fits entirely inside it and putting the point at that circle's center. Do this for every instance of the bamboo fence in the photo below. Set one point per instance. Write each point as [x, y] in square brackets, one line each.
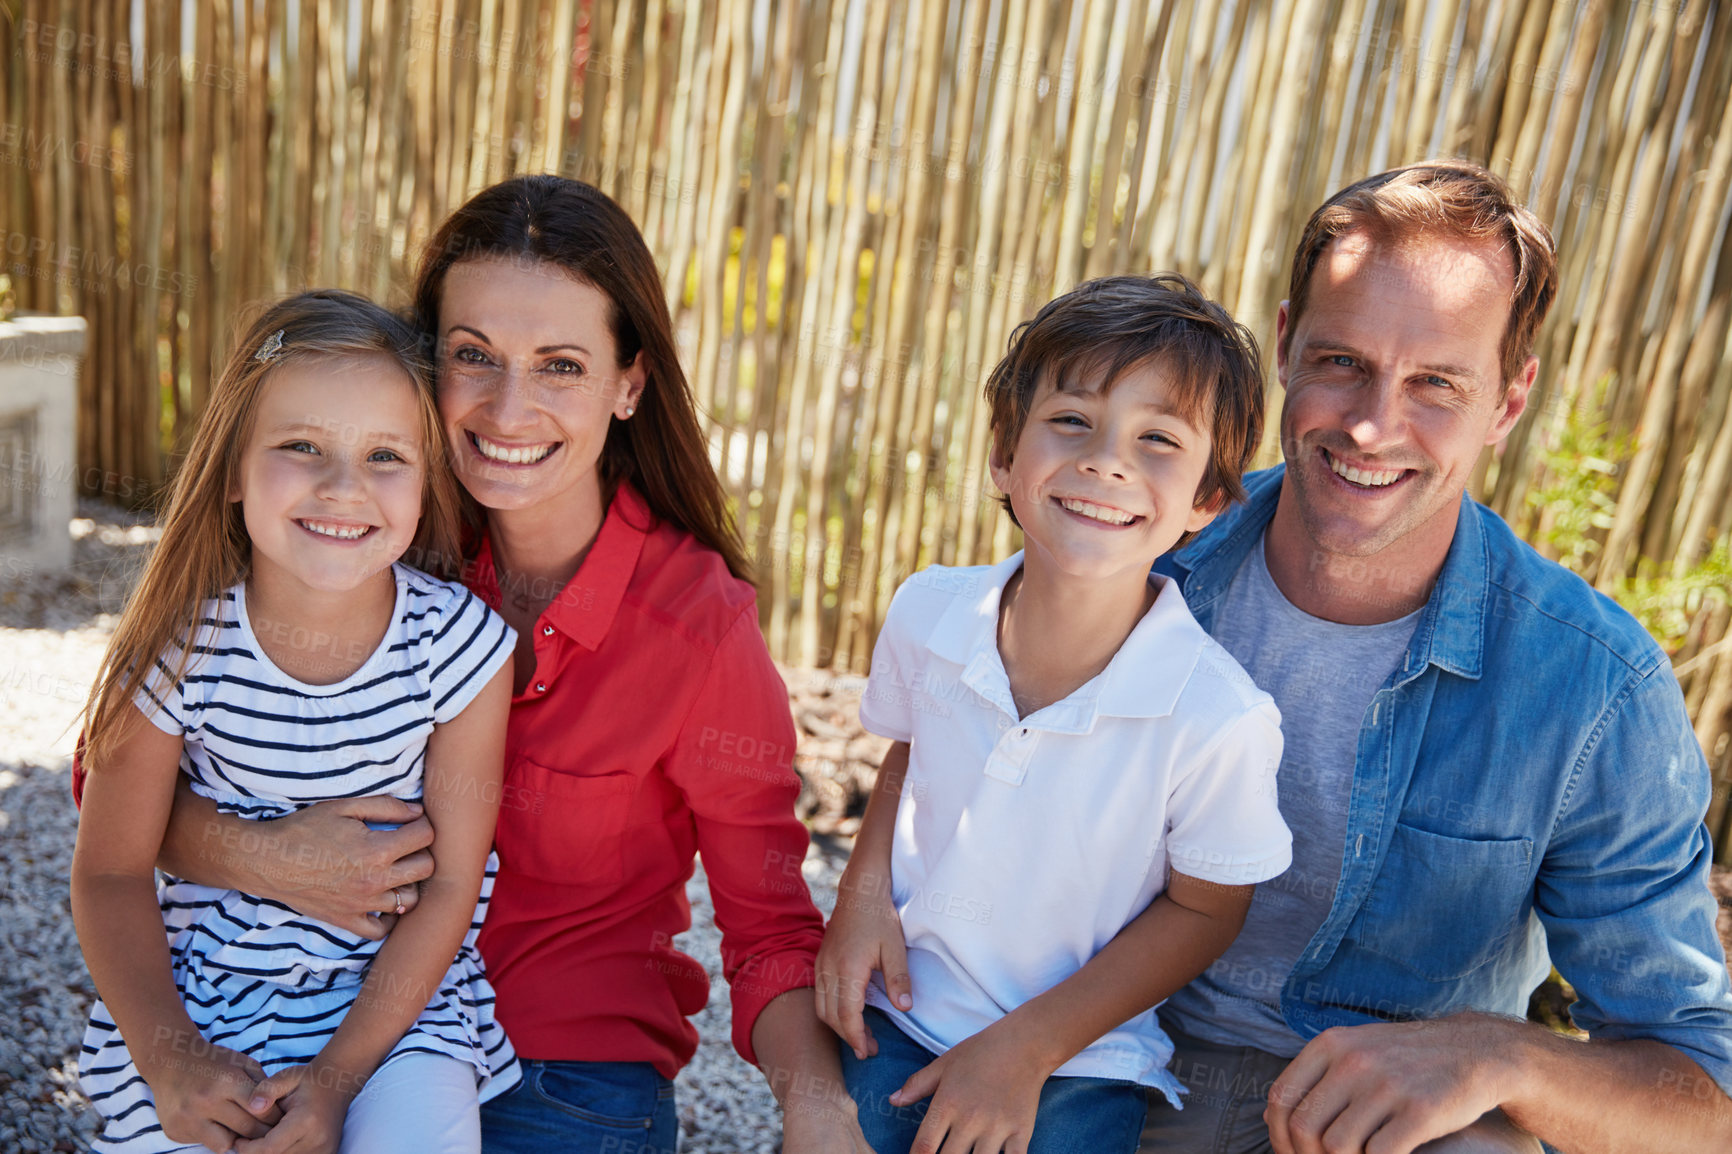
[854, 203]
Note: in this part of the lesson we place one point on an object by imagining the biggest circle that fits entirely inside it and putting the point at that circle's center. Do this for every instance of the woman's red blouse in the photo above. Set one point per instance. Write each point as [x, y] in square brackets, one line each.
[655, 726]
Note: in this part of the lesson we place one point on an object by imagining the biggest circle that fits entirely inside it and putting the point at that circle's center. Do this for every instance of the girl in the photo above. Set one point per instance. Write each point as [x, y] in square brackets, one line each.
[277, 655]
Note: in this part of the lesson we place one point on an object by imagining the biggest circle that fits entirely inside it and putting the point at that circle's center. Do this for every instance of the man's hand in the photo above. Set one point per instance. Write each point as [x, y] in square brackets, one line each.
[984, 1092]
[1387, 1089]
[312, 1109]
[331, 866]
[201, 1094]
[864, 935]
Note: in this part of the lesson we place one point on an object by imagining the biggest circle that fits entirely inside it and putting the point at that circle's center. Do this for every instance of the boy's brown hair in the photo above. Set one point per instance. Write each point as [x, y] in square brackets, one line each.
[1105, 328]
[1440, 198]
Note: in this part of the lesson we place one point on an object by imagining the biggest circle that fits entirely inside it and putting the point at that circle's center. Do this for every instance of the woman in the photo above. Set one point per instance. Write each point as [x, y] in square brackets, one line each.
[647, 722]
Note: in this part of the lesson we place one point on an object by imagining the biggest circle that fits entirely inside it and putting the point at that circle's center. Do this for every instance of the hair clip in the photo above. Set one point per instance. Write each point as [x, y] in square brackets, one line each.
[269, 350]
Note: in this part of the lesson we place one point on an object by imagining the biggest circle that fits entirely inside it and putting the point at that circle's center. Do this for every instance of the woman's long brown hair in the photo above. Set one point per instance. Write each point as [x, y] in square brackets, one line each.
[661, 449]
[204, 547]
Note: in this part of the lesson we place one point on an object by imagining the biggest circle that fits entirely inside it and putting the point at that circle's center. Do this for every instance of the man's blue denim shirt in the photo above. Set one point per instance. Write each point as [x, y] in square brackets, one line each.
[1526, 778]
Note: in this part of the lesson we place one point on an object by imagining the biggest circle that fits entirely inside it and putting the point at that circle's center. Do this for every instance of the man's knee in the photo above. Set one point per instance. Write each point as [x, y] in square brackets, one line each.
[1492, 1134]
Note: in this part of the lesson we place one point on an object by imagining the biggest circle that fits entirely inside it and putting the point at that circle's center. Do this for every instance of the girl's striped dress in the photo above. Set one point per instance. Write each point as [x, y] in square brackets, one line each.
[256, 976]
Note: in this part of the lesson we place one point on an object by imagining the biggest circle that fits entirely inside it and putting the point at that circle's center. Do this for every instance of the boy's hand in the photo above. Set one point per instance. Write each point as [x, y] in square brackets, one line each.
[312, 1114]
[203, 1097]
[864, 935]
[984, 1093]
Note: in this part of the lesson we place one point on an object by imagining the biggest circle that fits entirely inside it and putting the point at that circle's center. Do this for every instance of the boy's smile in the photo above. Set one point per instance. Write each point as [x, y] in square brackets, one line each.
[1105, 481]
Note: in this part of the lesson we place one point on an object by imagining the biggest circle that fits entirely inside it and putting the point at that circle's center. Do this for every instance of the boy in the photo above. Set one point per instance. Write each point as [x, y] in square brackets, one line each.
[1086, 782]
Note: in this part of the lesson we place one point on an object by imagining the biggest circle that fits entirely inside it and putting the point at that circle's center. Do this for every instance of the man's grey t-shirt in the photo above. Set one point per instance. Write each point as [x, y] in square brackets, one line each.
[1322, 676]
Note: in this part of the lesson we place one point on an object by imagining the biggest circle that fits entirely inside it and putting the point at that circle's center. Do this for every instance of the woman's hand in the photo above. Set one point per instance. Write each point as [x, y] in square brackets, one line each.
[984, 1092]
[322, 861]
[357, 875]
[864, 934]
[312, 1109]
[202, 1090]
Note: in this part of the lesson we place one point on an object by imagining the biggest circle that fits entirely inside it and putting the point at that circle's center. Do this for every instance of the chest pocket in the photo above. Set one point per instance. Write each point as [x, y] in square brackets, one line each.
[564, 827]
[1445, 906]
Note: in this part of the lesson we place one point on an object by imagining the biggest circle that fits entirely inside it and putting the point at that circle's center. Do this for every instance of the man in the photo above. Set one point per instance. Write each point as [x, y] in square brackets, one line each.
[1486, 761]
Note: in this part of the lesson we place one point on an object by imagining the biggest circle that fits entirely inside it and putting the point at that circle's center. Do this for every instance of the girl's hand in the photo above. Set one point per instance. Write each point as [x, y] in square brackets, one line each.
[312, 1111]
[864, 934]
[202, 1095]
[984, 1093]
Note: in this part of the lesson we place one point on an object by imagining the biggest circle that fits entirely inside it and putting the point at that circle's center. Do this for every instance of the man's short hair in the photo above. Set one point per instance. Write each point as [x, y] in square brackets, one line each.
[1444, 198]
[1110, 326]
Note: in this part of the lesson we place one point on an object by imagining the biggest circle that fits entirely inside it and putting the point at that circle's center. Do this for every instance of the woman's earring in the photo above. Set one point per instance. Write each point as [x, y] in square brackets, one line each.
[630, 409]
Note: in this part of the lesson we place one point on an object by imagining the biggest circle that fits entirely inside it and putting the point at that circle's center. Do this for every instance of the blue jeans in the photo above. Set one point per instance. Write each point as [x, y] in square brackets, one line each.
[583, 1108]
[1075, 1115]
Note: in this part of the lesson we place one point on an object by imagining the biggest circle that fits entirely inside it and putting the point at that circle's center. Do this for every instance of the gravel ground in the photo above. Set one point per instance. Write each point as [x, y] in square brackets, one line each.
[52, 631]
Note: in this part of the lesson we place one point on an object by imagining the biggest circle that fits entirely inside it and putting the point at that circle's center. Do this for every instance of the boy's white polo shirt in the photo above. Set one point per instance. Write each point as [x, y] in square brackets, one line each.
[1024, 845]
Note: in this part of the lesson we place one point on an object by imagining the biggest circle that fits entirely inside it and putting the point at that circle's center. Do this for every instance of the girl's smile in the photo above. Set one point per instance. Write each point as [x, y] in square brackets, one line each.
[331, 477]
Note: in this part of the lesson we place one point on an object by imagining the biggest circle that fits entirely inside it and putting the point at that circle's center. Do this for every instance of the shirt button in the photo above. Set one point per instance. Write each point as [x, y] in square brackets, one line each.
[1023, 733]
[547, 631]
[541, 687]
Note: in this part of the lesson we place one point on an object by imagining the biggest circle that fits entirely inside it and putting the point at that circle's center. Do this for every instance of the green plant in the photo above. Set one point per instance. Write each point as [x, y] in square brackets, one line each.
[1581, 489]
[1580, 496]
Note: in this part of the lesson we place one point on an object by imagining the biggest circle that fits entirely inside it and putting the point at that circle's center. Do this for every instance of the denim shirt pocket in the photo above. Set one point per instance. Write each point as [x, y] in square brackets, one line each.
[1444, 906]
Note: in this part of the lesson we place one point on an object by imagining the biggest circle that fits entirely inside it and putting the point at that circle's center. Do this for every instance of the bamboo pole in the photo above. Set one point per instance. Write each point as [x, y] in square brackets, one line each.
[1153, 129]
[1618, 268]
[645, 127]
[930, 361]
[1656, 415]
[1101, 253]
[1005, 152]
[1198, 151]
[1262, 58]
[1097, 23]
[732, 63]
[916, 158]
[694, 77]
[197, 267]
[1686, 331]
[613, 110]
[788, 546]
[838, 326]
[770, 203]
[1262, 260]
[865, 523]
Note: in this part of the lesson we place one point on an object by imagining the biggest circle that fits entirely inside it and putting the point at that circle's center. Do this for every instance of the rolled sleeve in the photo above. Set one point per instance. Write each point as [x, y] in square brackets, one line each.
[733, 760]
[1623, 888]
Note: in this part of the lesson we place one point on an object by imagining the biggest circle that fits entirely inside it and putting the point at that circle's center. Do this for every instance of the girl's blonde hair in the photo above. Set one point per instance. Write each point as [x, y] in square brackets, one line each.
[204, 548]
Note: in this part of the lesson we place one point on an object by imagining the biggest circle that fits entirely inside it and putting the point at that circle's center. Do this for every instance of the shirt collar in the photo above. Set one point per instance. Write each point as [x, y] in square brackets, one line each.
[1143, 679]
[585, 608]
[1451, 631]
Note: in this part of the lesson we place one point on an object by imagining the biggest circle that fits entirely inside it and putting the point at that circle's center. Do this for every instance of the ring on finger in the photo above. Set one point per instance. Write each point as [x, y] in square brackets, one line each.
[397, 896]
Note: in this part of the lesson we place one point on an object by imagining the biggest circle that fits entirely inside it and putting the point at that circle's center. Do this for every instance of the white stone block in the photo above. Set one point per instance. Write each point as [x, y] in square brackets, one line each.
[39, 364]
